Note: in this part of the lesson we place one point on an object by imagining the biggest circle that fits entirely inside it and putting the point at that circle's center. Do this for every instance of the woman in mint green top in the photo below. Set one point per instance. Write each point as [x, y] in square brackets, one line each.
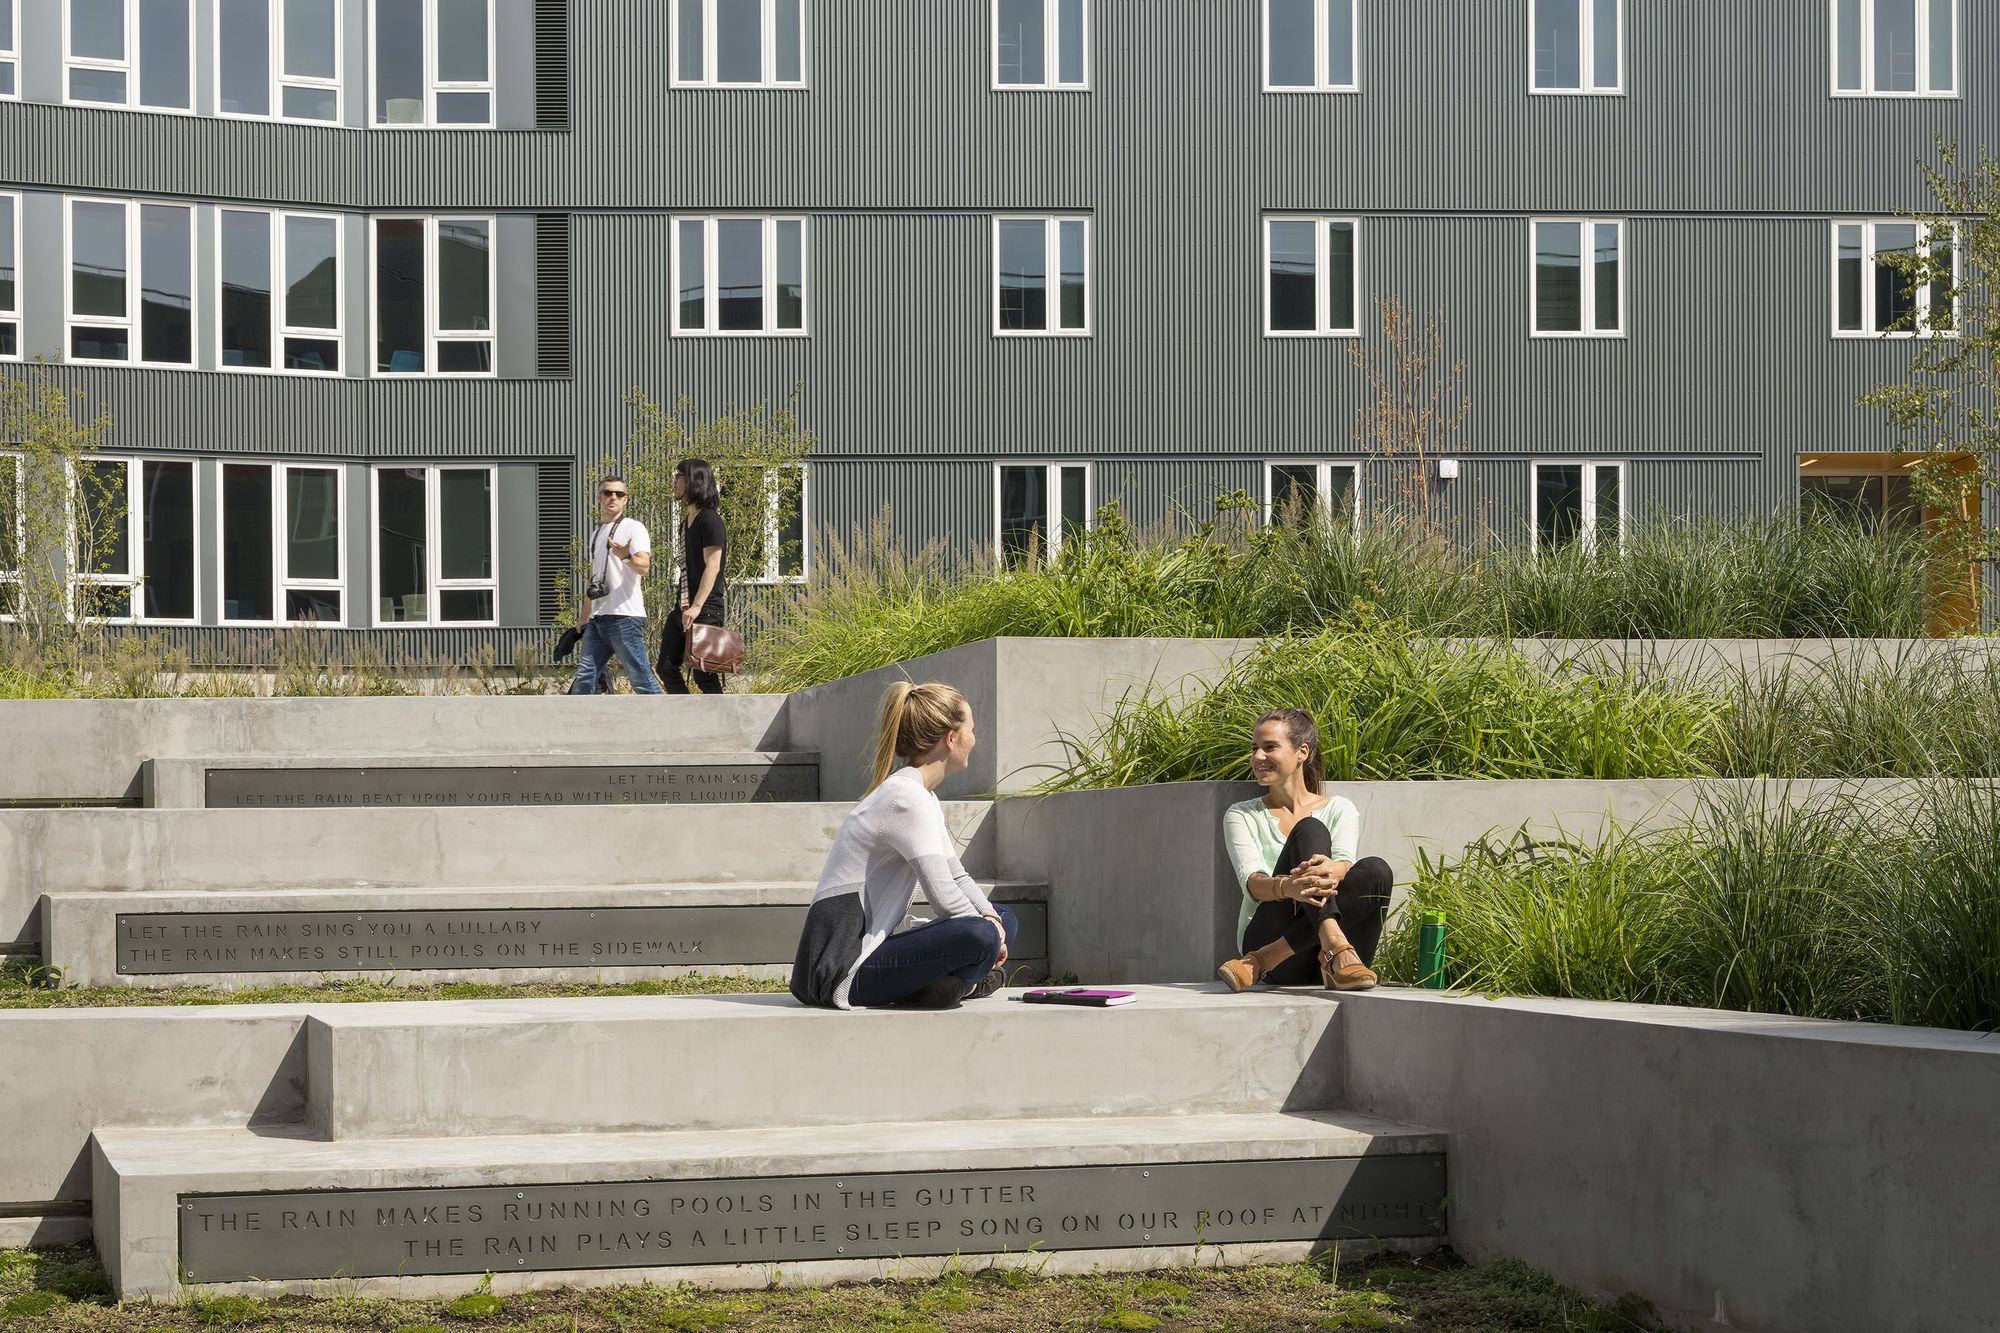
[1310, 909]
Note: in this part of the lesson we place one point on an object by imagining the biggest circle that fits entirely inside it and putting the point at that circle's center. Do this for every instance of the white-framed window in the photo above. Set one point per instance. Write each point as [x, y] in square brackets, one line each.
[1576, 501]
[433, 64]
[1041, 44]
[282, 543]
[738, 43]
[146, 571]
[130, 289]
[1894, 48]
[13, 533]
[781, 538]
[1312, 277]
[1041, 276]
[278, 296]
[1303, 485]
[740, 276]
[10, 48]
[433, 295]
[1872, 299]
[1576, 46]
[1577, 280]
[1310, 46]
[279, 59]
[1036, 508]
[129, 53]
[10, 268]
[435, 558]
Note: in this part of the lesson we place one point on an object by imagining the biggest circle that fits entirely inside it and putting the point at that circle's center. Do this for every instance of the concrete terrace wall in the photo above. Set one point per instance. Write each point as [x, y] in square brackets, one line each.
[56, 851]
[1025, 693]
[93, 749]
[1739, 1171]
[67, 1072]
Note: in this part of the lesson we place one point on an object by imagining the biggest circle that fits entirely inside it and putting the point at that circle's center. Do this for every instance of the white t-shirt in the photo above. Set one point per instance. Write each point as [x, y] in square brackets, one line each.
[623, 597]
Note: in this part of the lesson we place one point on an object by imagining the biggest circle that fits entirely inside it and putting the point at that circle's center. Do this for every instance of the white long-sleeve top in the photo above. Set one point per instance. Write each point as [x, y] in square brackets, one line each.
[891, 845]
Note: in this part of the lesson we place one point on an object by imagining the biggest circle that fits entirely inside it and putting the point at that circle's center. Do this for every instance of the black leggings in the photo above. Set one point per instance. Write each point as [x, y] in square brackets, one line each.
[1360, 907]
[673, 652]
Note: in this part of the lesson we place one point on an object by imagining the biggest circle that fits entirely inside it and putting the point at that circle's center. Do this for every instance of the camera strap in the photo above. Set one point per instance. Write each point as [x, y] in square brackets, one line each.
[604, 576]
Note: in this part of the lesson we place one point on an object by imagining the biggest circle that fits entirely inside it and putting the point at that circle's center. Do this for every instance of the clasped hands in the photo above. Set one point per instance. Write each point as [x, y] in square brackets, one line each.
[1003, 937]
[1313, 880]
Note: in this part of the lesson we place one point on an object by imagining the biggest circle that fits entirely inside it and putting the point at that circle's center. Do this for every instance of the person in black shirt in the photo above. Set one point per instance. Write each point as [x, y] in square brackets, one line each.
[704, 545]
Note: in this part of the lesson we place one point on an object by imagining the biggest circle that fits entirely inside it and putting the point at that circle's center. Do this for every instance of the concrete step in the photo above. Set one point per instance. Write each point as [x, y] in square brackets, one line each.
[93, 749]
[616, 1064]
[211, 1208]
[586, 778]
[600, 932]
[84, 851]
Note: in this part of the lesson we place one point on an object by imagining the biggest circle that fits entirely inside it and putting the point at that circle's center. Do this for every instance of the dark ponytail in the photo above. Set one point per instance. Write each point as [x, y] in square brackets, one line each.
[1303, 732]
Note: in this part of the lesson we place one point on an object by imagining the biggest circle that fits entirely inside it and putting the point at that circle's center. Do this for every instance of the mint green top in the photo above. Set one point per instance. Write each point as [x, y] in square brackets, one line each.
[1250, 834]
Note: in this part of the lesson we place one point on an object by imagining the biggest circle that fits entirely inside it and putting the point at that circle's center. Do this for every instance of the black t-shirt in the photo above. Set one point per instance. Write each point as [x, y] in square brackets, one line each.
[704, 532]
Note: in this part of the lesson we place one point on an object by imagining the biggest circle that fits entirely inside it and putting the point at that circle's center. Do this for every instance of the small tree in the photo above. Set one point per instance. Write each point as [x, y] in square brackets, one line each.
[758, 454]
[1948, 409]
[62, 516]
[1415, 407]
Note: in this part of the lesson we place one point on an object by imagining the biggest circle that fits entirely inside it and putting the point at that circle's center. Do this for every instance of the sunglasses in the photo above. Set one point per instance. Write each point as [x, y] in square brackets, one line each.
[612, 495]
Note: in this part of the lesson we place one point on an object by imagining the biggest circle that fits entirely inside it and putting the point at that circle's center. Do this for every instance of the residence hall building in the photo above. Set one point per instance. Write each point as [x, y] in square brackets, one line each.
[363, 282]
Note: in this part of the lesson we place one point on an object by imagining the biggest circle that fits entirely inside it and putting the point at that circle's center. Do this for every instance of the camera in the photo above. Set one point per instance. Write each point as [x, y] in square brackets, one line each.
[597, 590]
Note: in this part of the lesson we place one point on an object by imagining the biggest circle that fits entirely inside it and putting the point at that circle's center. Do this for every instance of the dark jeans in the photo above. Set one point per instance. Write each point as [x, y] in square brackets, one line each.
[673, 652]
[965, 947]
[1360, 907]
[603, 636]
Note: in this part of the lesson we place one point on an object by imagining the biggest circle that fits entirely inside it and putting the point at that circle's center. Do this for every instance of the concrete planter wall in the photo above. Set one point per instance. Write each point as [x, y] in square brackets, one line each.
[1739, 1171]
[1141, 889]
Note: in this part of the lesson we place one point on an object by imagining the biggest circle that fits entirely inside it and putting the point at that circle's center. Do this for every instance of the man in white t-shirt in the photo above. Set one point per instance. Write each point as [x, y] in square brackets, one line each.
[613, 619]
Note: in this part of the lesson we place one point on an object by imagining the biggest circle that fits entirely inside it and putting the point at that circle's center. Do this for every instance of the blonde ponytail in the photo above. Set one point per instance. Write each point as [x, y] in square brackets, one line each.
[914, 719]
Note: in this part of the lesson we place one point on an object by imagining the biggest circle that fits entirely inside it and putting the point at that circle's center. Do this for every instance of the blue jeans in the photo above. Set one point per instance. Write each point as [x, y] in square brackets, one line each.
[965, 947]
[605, 635]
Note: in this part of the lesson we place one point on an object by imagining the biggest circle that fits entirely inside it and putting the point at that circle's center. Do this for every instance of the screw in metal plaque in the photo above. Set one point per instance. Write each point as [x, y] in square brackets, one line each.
[840, 1249]
[1145, 1175]
[190, 1275]
[520, 1194]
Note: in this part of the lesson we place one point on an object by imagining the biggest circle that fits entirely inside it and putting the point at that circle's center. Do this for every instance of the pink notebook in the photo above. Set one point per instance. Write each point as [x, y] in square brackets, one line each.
[1090, 999]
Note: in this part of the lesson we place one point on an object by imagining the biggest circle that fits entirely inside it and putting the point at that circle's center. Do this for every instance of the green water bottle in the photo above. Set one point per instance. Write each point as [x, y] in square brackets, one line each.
[1430, 950]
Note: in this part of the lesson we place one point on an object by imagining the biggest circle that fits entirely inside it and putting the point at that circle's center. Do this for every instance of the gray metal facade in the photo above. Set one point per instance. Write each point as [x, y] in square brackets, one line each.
[1725, 157]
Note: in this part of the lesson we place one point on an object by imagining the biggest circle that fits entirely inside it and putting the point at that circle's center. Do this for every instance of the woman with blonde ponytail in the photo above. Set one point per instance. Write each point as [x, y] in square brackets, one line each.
[892, 844]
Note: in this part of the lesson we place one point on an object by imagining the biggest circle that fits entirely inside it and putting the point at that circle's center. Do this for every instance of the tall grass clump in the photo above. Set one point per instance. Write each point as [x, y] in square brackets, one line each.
[871, 602]
[1390, 707]
[1842, 905]
[1805, 575]
[1867, 714]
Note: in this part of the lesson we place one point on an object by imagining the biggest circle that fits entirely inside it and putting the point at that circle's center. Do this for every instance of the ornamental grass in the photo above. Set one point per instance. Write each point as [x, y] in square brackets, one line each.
[1841, 905]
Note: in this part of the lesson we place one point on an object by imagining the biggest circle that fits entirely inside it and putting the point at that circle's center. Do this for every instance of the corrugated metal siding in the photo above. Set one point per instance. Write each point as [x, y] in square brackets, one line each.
[1173, 495]
[1726, 111]
[931, 501]
[1728, 355]
[412, 651]
[900, 150]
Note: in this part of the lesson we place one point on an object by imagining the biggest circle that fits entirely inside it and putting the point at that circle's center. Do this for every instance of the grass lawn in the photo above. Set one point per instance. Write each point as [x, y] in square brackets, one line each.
[64, 1291]
[29, 989]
